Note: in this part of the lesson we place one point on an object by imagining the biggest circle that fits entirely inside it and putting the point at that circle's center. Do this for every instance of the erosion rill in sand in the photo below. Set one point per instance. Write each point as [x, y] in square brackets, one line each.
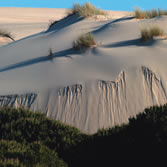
[98, 88]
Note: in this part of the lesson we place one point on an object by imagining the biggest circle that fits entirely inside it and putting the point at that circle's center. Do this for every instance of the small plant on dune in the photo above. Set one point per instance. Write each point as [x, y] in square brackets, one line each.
[86, 10]
[139, 14]
[149, 33]
[51, 23]
[84, 41]
[50, 54]
[6, 34]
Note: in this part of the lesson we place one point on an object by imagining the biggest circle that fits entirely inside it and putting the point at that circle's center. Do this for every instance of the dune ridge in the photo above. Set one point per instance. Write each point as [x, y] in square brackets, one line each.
[99, 88]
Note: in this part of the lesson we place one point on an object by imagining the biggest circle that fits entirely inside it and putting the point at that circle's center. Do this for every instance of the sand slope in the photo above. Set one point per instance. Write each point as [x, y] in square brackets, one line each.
[23, 22]
[100, 88]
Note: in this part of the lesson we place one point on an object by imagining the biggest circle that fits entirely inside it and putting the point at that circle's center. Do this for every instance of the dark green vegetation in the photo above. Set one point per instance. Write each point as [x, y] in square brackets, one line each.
[31, 139]
[139, 14]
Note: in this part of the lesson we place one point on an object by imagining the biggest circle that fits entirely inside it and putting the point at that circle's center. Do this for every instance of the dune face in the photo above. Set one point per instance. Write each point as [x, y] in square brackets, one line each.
[99, 88]
[22, 22]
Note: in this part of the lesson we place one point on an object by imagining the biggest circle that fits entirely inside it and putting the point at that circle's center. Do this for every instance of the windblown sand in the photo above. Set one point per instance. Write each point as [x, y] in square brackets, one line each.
[99, 88]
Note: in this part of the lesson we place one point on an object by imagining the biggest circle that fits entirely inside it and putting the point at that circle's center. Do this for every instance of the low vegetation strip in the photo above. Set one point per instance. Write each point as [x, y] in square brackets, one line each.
[139, 14]
[30, 139]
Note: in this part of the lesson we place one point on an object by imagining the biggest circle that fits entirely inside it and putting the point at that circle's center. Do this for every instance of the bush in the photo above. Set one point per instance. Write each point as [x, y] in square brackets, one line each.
[31, 139]
[6, 34]
[86, 10]
[148, 14]
[35, 154]
[149, 33]
[84, 41]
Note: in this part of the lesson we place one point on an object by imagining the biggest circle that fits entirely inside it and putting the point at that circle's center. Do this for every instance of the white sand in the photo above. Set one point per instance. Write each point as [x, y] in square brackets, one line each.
[22, 22]
[100, 88]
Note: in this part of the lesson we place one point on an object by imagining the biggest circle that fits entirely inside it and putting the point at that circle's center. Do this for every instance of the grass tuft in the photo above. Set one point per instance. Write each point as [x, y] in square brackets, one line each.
[86, 10]
[50, 54]
[52, 23]
[149, 33]
[84, 41]
[6, 34]
[139, 14]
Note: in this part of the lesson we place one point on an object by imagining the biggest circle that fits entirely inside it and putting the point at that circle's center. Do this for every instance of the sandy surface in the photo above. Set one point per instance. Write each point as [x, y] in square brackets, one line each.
[23, 22]
[99, 88]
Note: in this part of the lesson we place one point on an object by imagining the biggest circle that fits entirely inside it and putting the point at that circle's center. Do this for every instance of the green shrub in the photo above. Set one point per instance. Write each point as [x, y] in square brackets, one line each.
[139, 14]
[30, 139]
[6, 34]
[31, 154]
[84, 41]
[86, 10]
[149, 33]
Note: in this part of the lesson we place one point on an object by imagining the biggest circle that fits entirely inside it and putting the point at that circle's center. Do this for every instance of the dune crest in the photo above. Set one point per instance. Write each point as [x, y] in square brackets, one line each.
[99, 88]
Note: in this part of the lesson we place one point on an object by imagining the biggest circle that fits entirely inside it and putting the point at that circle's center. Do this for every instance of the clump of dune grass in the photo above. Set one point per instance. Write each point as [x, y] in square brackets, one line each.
[52, 23]
[139, 14]
[50, 54]
[86, 10]
[84, 41]
[149, 33]
[6, 34]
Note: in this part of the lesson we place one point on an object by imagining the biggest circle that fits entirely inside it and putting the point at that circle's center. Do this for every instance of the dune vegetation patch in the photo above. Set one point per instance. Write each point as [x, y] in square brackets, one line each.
[139, 14]
[52, 23]
[5, 34]
[149, 33]
[86, 10]
[30, 139]
[50, 54]
[84, 41]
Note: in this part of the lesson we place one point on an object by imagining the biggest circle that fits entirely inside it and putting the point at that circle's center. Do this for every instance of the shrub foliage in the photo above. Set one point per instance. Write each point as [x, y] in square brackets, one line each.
[30, 139]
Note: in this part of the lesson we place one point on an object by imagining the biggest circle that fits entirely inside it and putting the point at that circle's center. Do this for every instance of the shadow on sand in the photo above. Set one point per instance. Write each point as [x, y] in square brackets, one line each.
[65, 22]
[114, 21]
[135, 42]
[64, 53]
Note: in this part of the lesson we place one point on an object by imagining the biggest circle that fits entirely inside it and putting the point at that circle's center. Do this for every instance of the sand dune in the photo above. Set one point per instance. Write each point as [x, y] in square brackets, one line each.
[22, 22]
[99, 88]
[27, 21]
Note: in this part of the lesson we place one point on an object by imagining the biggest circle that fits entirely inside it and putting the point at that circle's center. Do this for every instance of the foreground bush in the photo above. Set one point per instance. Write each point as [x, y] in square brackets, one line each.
[6, 34]
[35, 154]
[139, 14]
[31, 139]
[84, 41]
[149, 33]
[86, 10]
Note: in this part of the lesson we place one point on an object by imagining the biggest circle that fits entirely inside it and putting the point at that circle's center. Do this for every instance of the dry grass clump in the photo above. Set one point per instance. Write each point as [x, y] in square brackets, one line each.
[139, 14]
[86, 10]
[84, 41]
[149, 33]
[52, 23]
[6, 34]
